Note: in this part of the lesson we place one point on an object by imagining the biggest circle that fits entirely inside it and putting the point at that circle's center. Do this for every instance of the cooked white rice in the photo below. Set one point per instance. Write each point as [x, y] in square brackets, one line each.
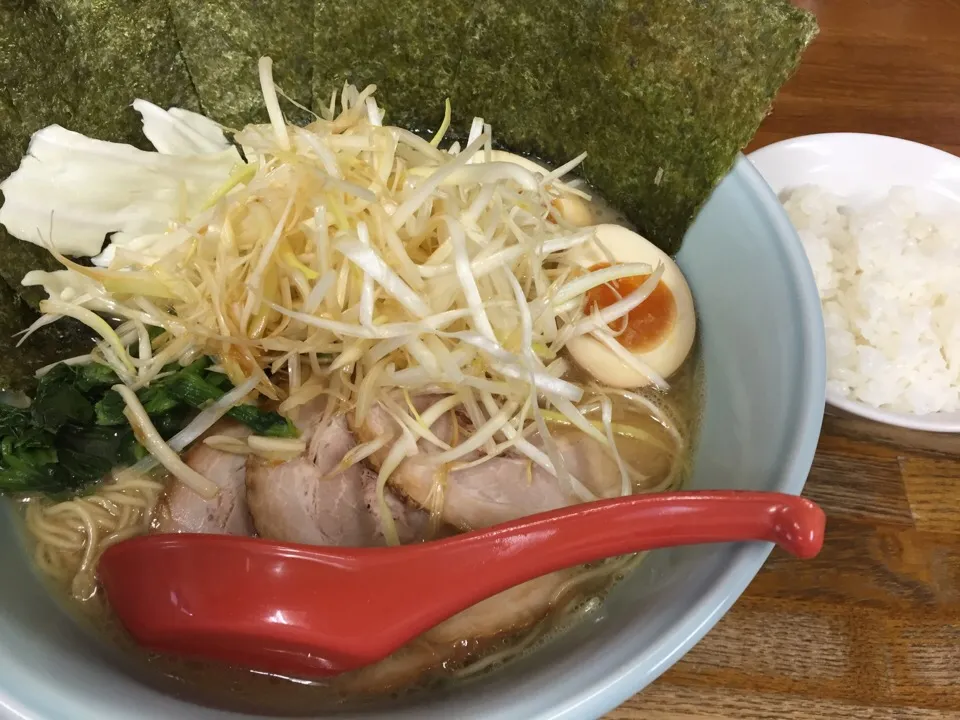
[889, 281]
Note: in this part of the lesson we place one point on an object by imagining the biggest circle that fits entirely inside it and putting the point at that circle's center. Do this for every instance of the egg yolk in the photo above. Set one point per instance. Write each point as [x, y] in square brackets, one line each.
[648, 323]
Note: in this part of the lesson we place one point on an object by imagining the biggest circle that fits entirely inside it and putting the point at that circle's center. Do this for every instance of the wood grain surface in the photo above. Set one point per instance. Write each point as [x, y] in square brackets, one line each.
[870, 628]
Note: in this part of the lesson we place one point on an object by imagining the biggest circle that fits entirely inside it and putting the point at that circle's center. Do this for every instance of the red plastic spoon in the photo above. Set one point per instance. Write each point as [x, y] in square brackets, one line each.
[309, 611]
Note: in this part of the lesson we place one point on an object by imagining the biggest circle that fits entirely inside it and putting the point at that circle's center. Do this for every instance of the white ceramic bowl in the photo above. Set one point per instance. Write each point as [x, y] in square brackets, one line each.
[864, 168]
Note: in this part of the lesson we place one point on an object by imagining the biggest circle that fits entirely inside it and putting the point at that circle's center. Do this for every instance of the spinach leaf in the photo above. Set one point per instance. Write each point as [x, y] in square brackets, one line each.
[36, 458]
[262, 422]
[109, 409]
[75, 431]
[197, 386]
[94, 376]
[59, 400]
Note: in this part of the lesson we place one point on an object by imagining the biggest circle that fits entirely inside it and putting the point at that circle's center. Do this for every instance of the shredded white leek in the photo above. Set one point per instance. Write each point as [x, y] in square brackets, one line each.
[276, 448]
[159, 449]
[414, 269]
[94, 322]
[444, 126]
[273, 104]
[228, 444]
[206, 419]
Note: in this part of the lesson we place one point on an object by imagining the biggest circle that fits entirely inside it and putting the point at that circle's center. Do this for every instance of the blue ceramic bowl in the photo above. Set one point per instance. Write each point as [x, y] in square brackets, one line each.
[763, 352]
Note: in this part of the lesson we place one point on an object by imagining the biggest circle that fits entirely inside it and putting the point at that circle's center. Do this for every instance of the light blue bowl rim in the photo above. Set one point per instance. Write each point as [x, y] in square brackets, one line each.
[599, 698]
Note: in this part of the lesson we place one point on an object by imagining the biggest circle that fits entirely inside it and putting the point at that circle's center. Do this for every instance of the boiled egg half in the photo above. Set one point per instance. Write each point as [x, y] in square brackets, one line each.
[574, 209]
[659, 332]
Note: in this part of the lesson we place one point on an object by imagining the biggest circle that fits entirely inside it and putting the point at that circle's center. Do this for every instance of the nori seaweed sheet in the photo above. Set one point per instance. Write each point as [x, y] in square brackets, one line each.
[11, 128]
[222, 42]
[662, 94]
[12, 317]
[61, 340]
[122, 50]
[36, 68]
[17, 257]
[410, 49]
[35, 90]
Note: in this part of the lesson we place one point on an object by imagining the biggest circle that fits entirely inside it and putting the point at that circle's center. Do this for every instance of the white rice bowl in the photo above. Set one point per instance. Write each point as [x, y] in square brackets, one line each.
[888, 273]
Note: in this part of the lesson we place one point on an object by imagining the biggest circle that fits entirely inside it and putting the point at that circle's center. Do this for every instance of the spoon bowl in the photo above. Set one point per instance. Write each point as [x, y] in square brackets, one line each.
[312, 611]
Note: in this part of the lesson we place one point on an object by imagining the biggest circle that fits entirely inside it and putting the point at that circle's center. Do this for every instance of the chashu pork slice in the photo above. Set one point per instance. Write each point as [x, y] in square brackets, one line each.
[456, 639]
[489, 498]
[293, 501]
[306, 501]
[182, 510]
[499, 490]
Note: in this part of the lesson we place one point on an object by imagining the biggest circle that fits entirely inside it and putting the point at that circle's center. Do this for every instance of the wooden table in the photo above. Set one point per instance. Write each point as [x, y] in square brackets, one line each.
[871, 628]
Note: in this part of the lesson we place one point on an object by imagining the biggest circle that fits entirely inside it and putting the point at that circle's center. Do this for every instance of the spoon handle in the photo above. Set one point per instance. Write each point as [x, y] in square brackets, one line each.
[483, 563]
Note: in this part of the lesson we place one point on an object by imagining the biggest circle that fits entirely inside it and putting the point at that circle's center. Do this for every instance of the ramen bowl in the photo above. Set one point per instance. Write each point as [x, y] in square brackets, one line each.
[763, 360]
